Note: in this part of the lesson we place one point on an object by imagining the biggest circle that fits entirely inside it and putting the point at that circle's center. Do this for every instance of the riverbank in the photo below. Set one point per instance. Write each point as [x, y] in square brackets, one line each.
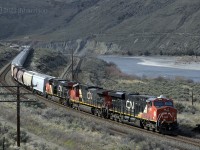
[185, 62]
[156, 66]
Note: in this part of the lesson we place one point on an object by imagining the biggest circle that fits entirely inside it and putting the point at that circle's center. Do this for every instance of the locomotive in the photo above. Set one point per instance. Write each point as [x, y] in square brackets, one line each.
[150, 112]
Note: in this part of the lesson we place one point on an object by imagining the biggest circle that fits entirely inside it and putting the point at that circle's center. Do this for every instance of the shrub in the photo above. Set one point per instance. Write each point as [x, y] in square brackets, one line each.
[24, 137]
[191, 109]
[35, 105]
[180, 107]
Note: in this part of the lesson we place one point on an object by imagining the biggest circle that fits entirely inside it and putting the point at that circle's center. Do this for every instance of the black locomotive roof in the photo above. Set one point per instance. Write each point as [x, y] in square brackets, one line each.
[62, 82]
[117, 94]
[102, 91]
[138, 97]
[136, 93]
[91, 87]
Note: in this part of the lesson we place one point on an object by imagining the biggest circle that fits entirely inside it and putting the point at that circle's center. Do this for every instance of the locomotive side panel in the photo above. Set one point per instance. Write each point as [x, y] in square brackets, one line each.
[106, 99]
[95, 98]
[90, 96]
[59, 88]
[136, 104]
[118, 101]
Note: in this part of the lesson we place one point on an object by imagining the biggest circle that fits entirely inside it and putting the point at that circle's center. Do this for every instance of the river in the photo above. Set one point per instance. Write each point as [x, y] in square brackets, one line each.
[152, 67]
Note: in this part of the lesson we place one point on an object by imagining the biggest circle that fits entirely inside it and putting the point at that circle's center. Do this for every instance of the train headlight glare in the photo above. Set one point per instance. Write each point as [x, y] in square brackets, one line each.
[154, 113]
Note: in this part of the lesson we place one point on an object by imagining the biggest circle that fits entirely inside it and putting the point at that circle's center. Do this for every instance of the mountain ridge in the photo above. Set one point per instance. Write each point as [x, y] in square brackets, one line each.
[137, 27]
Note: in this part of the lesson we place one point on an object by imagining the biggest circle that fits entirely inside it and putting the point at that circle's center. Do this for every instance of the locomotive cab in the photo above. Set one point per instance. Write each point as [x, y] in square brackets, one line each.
[166, 115]
[160, 114]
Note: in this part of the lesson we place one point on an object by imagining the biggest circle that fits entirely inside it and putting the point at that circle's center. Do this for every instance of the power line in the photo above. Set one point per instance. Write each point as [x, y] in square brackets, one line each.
[18, 109]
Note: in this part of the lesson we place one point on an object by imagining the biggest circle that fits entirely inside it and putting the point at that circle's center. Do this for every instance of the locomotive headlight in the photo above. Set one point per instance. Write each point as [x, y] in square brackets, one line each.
[154, 113]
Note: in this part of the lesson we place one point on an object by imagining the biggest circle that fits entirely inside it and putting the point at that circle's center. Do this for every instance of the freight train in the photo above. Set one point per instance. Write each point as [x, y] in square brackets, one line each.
[150, 112]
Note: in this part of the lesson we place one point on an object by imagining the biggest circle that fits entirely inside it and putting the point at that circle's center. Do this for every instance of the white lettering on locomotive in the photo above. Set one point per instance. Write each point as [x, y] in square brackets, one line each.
[129, 105]
[89, 95]
[145, 109]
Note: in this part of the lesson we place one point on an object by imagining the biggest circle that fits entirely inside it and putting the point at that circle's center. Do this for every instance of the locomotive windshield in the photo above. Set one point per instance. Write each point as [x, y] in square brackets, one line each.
[169, 103]
[161, 103]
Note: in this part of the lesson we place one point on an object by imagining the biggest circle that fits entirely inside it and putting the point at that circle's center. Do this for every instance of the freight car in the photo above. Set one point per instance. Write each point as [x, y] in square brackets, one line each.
[150, 112]
[20, 59]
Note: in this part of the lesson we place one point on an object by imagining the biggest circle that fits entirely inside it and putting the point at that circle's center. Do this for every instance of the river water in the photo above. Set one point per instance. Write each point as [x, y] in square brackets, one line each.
[152, 67]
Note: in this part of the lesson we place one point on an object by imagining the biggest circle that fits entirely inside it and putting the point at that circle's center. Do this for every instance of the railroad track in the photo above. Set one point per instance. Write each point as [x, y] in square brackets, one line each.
[115, 128]
[77, 69]
[6, 80]
[67, 73]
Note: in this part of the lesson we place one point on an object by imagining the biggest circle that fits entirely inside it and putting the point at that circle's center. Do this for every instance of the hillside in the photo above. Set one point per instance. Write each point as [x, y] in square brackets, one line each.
[134, 27]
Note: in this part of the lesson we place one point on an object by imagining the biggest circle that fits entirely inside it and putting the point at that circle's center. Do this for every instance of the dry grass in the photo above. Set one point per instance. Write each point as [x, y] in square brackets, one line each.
[188, 117]
[50, 128]
[125, 81]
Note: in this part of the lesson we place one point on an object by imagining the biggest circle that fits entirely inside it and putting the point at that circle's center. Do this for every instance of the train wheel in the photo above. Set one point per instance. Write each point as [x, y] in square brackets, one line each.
[99, 113]
[78, 108]
[45, 95]
[71, 105]
[68, 103]
[116, 119]
[104, 113]
[96, 112]
[121, 119]
[93, 110]
[141, 124]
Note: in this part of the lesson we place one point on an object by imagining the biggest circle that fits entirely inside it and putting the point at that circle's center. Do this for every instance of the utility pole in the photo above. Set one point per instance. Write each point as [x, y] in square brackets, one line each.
[18, 117]
[3, 143]
[18, 109]
[72, 65]
[187, 91]
[192, 97]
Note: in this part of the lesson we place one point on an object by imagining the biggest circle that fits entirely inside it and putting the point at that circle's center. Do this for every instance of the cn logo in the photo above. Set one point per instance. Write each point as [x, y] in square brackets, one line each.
[129, 104]
[89, 95]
